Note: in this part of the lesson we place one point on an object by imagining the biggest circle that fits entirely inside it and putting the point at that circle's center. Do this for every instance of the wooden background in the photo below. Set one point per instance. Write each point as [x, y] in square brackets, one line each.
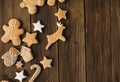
[91, 52]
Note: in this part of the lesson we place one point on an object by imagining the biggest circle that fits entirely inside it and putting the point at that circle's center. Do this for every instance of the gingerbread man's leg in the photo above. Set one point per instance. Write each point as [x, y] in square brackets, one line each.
[5, 38]
[16, 41]
[51, 2]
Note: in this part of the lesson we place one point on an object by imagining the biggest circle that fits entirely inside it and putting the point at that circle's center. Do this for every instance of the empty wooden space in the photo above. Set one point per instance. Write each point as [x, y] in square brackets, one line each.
[91, 52]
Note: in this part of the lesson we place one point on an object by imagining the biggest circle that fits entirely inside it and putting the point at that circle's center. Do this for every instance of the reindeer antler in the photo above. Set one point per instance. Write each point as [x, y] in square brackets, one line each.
[59, 24]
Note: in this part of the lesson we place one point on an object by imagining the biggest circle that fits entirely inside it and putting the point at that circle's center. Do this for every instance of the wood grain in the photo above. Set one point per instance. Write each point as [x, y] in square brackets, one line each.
[98, 44]
[91, 52]
[1, 21]
[72, 52]
[115, 41]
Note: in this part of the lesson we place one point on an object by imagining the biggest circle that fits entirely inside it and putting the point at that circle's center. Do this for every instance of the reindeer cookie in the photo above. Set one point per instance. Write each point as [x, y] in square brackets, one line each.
[31, 5]
[56, 36]
[52, 2]
[12, 32]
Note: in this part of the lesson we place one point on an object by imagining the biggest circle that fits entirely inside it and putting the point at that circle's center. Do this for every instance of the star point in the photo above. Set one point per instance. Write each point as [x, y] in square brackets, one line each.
[20, 76]
[38, 26]
[46, 63]
[61, 14]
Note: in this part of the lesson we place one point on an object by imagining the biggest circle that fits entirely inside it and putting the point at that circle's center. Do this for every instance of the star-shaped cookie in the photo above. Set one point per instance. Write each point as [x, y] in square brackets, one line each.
[19, 64]
[38, 26]
[61, 14]
[30, 39]
[46, 63]
[20, 76]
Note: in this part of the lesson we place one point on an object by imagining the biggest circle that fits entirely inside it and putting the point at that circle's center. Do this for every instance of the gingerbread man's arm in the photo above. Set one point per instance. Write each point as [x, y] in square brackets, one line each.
[21, 31]
[5, 27]
[22, 5]
[16, 41]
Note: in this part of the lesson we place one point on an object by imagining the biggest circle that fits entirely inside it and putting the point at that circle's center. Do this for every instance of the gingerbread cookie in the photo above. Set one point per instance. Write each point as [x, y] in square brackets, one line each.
[52, 2]
[37, 72]
[12, 32]
[20, 76]
[26, 54]
[38, 26]
[10, 57]
[30, 39]
[31, 5]
[19, 64]
[46, 63]
[61, 14]
[56, 36]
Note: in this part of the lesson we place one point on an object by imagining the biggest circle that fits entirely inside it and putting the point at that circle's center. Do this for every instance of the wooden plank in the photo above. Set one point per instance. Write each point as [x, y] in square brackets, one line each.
[98, 51]
[115, 41]
[46, 16]
[1, 21]
[6, 14]
[72, 52]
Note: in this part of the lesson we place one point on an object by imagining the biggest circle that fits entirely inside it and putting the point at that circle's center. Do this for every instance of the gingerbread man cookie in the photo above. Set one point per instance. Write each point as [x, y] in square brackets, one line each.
[52, 2]
[31, 5]
[56, 36]
[12, 32]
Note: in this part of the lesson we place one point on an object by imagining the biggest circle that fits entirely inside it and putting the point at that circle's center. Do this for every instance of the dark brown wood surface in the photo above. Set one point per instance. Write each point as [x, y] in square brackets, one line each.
[91, 52]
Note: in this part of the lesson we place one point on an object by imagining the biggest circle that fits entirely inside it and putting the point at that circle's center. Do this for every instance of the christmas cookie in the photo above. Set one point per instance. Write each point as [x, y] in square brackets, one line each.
[19, 64]
[61, 14]
[52, 2]
[10, 57]
[37, 72]
[20, 76]
[46, 63]
[26, 54]
[12, 32]
[38, 26]
[56, 36]
[31, 5]
[30, 39]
